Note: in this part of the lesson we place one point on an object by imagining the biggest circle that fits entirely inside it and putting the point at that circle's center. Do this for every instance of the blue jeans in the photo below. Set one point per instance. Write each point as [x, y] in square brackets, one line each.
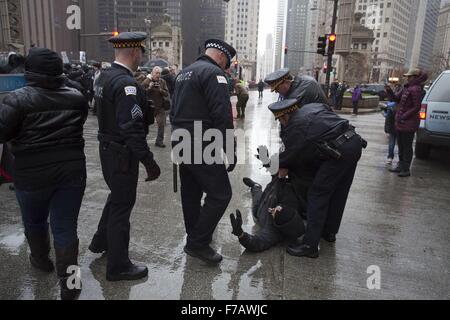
[62, 203]
[392, 142]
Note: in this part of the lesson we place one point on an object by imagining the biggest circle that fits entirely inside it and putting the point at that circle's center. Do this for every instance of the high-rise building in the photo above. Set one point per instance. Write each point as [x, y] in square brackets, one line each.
[280, 34]
[241, 30]
[442, 40]
[391, 22]
[267, 59]
[297, 19]
[201, 20]
[319, 24]
[423, 29]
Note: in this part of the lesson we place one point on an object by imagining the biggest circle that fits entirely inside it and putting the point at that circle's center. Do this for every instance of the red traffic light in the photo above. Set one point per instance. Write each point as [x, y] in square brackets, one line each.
[332, 38]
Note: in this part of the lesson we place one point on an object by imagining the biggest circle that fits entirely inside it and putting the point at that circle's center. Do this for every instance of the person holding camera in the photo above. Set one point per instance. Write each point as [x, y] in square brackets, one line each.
[159, 94]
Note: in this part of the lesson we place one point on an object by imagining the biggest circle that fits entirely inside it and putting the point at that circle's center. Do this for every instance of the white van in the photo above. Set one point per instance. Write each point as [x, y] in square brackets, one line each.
[435, 117]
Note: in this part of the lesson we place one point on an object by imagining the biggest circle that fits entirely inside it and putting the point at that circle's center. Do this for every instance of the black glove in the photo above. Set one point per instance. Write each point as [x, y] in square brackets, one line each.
[153, 172]
[236, 223]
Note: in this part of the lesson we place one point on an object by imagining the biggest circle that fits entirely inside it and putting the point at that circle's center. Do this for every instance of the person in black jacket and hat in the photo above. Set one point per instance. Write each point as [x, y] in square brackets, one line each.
[44, 124]
[123, 119]
[303, 88]
[202, 96]
[278, 211]
[314, 131]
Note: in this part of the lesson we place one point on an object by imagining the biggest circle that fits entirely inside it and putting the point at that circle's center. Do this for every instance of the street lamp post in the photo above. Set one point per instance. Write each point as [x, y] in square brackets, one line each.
[330, 53]
[148, 23]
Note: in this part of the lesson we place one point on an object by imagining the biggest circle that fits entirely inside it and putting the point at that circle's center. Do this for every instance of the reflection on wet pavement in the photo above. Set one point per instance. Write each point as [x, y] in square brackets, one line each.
[399, 225]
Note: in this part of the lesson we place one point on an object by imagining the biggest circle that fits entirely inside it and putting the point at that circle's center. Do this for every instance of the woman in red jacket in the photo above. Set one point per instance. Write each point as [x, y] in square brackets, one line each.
[407, 120]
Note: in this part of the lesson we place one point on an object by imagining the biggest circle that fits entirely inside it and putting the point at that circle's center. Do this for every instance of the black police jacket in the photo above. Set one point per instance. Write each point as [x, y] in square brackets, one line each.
[43, 122]
[201, 94]
[309, 125]
[273, 231]
[306, 90]
[122, 111]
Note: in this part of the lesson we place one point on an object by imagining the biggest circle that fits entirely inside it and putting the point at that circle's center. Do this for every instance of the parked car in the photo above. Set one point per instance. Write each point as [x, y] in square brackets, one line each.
[375, 90]
[435, 117]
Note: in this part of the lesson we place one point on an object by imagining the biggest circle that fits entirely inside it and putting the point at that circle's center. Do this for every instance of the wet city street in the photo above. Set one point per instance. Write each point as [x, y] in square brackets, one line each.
[400, 226]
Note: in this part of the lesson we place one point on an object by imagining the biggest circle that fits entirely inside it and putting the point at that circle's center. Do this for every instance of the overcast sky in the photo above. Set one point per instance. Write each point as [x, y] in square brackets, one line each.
[267, 21]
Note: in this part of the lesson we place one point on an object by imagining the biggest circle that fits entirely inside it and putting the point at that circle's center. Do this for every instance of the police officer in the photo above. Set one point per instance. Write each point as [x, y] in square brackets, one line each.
[123, 127]
[303, 88]
[201, 95]
[314, 131]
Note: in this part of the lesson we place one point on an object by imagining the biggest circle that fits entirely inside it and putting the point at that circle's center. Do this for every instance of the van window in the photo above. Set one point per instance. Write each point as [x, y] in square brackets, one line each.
[441, 90]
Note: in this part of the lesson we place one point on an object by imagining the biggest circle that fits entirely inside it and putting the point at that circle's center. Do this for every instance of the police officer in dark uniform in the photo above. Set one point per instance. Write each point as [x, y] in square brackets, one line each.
[303, 88]
[201, 95]
[314, 131]
[123, 126]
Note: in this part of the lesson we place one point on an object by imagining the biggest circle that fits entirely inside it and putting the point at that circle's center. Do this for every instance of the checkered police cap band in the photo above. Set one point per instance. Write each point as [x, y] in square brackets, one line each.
[128, 44]
[221, 48]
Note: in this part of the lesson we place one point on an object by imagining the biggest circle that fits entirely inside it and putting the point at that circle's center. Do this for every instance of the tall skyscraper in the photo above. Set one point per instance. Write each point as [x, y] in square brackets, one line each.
[391, 22]
[241, 30]
[442, 40]
[201, 20]
[423, 29]
[280, 34]
[267, 59]
[297, 19]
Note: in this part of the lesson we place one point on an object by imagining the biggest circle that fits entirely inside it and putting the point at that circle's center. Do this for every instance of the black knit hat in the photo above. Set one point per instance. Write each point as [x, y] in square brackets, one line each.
[44, 61]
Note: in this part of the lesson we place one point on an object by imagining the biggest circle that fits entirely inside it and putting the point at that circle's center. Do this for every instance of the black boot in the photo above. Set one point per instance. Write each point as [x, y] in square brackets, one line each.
[65, 258]
[206, 254]
[303, 250]
[39, 242]
[98, 245]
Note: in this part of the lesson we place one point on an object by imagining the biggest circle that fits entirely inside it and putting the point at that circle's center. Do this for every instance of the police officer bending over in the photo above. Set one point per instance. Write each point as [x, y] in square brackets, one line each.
[303, 88]
[123, 119]
[313, 131]
[201, 94]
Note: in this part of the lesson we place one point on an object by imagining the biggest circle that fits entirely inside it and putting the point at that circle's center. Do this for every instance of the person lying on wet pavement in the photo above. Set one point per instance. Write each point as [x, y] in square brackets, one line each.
[278, 212]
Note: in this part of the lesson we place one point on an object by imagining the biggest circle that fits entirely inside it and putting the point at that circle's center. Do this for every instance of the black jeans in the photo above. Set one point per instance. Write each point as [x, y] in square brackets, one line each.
[201, 221]
[242, 105]
[405, 149]
[61, 203]
[328, 194]
[355, 107]
[121, 172]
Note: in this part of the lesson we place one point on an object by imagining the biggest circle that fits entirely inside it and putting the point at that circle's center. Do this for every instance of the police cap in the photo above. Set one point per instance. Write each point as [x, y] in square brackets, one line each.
[228, 50]
[129, 40]
[284, 107]
[276, 78]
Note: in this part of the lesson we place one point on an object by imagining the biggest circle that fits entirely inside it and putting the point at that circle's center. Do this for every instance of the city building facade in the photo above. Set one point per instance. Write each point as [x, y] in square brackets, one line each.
[241, 31]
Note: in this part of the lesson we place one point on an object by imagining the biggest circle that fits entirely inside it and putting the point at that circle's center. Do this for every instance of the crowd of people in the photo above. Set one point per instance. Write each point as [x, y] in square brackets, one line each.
[307, 196]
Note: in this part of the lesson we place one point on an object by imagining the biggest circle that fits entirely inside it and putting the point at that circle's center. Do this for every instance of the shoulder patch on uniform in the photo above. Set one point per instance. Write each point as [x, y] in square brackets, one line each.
[136, 112]
[130, 91]
[222, 79]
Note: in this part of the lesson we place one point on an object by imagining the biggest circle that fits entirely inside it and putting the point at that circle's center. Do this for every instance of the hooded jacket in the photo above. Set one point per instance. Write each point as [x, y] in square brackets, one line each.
[409, 101]
[306, 90]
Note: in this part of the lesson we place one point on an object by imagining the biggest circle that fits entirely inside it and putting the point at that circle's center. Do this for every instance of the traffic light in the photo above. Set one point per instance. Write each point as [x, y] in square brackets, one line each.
[331, 43]
[286, 49]
[322, 46]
